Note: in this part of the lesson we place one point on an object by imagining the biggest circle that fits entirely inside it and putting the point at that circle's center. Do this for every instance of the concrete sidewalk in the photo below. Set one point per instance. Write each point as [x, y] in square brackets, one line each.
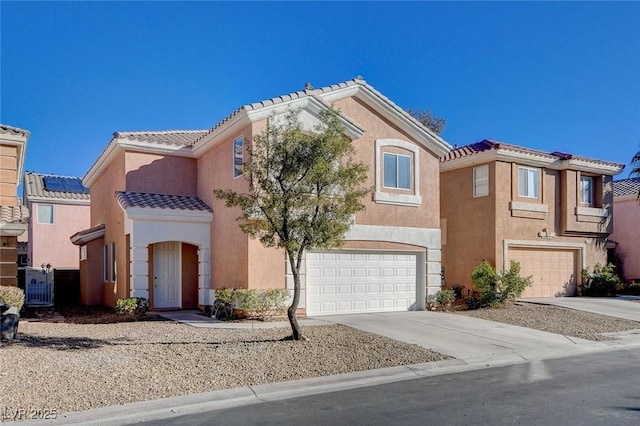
[626, 307]
[475, 344]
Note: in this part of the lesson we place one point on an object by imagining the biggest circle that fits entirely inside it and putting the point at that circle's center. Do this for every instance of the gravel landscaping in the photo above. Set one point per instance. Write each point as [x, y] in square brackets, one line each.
[554, 319]
[71, 367]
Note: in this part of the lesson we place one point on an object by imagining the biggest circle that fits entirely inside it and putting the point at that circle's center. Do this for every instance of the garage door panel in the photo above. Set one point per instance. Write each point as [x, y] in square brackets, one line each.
[360, 282]
[553, 270]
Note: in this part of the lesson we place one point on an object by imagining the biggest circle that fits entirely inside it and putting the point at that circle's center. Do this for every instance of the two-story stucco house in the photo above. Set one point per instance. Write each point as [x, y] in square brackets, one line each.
[551, 212]
[157, 231]
[58, 207]
[13, 216]
[626, 227]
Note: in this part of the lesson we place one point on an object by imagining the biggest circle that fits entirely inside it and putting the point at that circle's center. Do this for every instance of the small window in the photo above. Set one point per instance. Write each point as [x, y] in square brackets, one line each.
[586, 190]
[397, 171]
[481, 181]
[45, 214]
[528, 182]
[105, 262]
[238, 158]
[113, 262]
[83, 252]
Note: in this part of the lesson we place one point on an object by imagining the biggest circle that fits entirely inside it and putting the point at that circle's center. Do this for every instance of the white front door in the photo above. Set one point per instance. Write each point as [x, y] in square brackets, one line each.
[166, 269]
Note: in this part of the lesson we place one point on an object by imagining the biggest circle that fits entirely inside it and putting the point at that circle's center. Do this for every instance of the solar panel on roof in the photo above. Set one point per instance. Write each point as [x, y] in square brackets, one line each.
[64, 184]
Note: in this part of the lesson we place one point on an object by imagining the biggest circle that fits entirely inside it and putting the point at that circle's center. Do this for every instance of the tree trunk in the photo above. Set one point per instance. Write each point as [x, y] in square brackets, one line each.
[296, 334]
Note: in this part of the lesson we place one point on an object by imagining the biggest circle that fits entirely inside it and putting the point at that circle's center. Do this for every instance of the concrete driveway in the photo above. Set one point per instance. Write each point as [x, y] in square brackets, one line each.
[620, 307]
[471, 340]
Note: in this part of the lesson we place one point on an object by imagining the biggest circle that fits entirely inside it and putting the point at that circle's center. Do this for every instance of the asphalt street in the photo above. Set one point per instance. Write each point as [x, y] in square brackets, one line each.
[598, 388]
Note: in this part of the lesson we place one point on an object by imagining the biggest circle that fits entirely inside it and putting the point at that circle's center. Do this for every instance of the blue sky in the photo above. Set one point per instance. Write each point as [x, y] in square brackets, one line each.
[550, 76]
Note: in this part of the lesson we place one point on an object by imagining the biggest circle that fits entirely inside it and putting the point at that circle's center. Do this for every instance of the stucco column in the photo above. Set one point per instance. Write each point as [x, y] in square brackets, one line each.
[139, 279]
[206, 295]
[421, 281]
[434, 271]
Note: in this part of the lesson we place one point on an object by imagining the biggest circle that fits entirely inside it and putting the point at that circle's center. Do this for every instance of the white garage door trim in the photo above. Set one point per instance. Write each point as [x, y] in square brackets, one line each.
[359, 281]
[580, 248]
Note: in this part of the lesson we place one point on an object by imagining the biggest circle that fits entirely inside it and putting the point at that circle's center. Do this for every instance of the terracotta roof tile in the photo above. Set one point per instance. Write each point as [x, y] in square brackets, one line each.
[160, 201]
[34, 187]
[629, 186]
[487, 144]
[15, 130]
[14, 214]
[167, 137]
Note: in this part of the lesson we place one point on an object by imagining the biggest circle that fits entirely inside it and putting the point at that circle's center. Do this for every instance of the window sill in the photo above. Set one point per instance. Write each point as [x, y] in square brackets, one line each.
[528, 210]
[398, 199]
[591, 214]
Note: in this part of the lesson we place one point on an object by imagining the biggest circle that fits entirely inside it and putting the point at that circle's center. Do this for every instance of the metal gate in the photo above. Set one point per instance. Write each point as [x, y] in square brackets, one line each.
[38, 287]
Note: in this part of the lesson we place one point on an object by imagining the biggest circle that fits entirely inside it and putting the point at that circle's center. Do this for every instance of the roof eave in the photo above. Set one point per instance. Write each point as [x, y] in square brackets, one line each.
[389, 110]
[79, 240]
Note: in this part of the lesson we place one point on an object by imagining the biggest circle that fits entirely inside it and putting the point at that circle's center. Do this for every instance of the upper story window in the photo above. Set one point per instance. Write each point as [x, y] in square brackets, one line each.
[586, 190]
[481, 181]
[397, 171]
[45, 214]
[527, 182]
[238, 158]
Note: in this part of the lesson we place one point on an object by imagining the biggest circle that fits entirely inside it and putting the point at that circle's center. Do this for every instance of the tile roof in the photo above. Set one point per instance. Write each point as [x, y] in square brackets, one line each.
[487, 144]
[166, 137]
[629, 186]
[15, 130]
[34, 187]
[14, 214]
[160, 201]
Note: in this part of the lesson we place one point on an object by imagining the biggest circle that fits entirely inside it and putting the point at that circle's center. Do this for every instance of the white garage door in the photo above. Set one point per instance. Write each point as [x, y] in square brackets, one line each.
[359, 281]
[553, 271]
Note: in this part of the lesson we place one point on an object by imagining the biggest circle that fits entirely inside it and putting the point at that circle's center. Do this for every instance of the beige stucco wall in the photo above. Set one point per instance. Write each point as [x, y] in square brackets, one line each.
[8, 175]
[161, 174]
[105, 209]
[470, 225]
[50, 243]
[626, 232]
[229, 245]
[424, 216]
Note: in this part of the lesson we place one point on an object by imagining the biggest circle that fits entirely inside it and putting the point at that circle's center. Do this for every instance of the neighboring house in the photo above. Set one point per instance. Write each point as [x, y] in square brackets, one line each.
[13, 216]
[158, 232]
[626, 227]
[58, 207]
[551, 212]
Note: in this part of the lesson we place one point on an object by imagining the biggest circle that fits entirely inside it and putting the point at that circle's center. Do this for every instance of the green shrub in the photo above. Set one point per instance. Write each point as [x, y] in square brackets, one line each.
[444, 298]
[473, 303]
[510, 284]
[256, 304]
[484, 279]
[12, 296]
[603, 281]
[132, 306]
[496, 288]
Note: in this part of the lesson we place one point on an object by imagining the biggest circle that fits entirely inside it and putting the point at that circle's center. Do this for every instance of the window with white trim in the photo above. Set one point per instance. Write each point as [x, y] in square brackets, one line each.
[105, 262]
[586, 190]
[113, 262]
[527, 182]
[238, 156]
[397, 171]
[481, 181]
[45, 214]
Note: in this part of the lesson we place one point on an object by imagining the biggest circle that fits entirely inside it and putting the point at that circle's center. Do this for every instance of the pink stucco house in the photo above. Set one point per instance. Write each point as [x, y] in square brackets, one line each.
[551, 212]
[626, 227]
[58, 207]
[157, 231]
